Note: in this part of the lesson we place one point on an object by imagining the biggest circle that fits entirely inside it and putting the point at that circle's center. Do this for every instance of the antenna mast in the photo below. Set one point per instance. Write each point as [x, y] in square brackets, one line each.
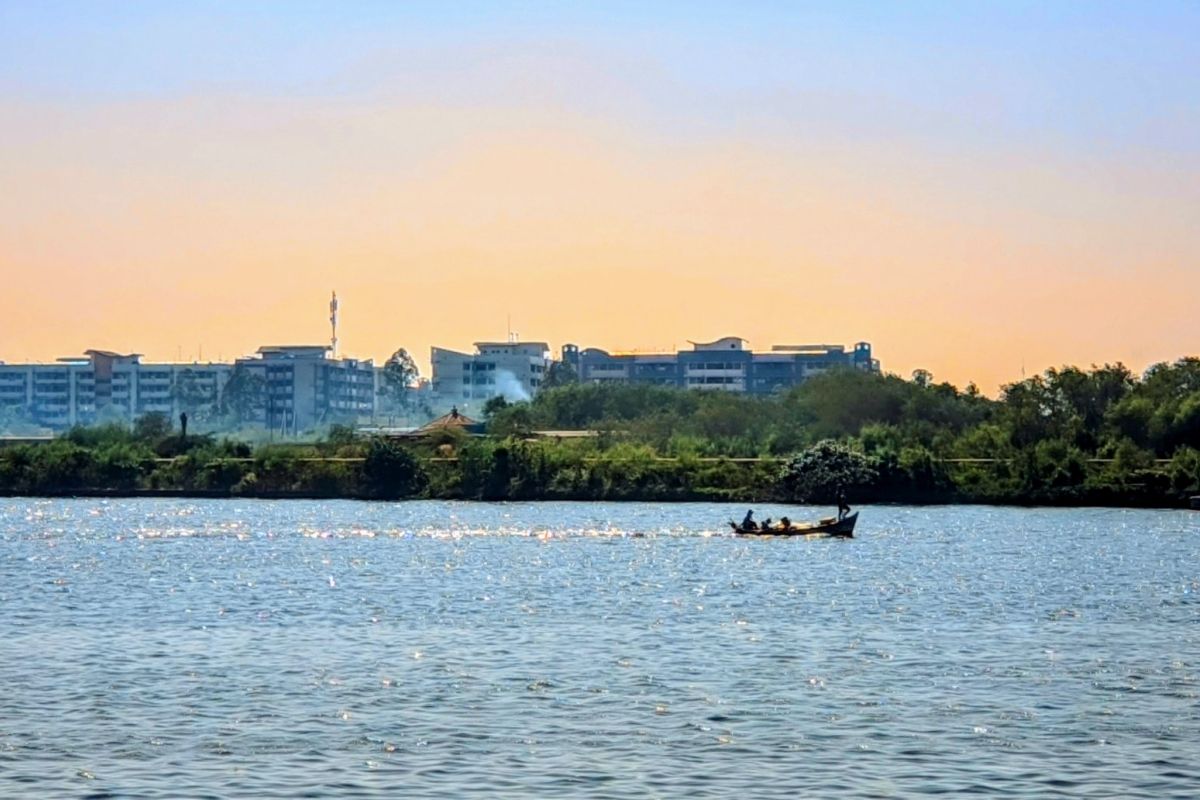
[333, 315]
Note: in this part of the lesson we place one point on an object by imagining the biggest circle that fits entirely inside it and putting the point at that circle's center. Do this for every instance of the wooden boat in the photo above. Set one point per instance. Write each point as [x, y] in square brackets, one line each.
[830, 526]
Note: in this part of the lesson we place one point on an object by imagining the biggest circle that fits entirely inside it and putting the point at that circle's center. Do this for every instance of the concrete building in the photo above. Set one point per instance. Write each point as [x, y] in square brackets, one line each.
[514, 370]
[294, 388]
[55, 395]
[103, 386]
[724, 365]
[303, 387]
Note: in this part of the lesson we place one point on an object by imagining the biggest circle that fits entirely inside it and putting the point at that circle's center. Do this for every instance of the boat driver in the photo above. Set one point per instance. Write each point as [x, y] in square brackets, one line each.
[843, 506]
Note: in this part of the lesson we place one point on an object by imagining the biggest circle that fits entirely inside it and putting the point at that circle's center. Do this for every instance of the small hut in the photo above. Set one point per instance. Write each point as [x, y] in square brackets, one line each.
[452, 421]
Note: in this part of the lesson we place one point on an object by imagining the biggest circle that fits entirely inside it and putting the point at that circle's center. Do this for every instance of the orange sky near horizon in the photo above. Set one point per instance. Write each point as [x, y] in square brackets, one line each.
[167, 225]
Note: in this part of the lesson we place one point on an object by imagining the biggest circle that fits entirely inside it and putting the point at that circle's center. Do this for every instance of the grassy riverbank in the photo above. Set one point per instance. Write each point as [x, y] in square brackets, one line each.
[1069, 437]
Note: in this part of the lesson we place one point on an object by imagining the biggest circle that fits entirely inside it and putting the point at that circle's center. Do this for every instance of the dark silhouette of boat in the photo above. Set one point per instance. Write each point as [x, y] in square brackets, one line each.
[830, 526]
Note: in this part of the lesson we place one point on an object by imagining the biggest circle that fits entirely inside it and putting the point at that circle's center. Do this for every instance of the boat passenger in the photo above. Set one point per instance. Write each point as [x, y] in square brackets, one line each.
[785, 524]
[766, 524]
[748, 521]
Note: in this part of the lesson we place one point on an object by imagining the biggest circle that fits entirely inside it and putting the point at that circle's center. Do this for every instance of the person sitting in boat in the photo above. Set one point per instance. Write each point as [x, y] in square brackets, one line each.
[748, 523]
[785, 524]
[766, 525]
[843, 506]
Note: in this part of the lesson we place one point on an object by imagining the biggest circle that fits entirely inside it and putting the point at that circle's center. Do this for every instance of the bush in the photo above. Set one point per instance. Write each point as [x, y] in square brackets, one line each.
[121, 466]
[391, 472]
[152, 427]
[1184, 470]
[819, 473]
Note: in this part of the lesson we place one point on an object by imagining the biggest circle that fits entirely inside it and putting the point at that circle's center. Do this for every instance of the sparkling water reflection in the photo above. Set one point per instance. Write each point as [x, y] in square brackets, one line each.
[278, 649]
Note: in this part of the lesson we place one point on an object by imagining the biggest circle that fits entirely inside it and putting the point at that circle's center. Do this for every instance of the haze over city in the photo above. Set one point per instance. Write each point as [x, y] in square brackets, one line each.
[975, 190]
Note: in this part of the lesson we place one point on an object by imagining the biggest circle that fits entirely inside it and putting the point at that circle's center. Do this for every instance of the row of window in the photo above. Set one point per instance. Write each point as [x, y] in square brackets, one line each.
[715, 365]
[713, 379]
[489, 366]
[615, 365]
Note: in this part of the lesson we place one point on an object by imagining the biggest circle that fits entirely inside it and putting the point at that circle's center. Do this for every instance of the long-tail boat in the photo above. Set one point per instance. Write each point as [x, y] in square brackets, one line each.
[830, 526]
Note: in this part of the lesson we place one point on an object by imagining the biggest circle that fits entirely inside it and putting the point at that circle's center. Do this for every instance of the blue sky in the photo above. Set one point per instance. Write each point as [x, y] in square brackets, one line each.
[1074, 74]
[1074, 69]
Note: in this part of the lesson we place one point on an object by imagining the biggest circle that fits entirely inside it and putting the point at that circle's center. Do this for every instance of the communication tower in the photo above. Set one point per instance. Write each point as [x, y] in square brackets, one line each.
[333, 315]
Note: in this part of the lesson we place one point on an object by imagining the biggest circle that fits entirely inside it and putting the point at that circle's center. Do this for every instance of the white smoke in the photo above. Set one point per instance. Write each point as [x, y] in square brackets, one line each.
[508, 387]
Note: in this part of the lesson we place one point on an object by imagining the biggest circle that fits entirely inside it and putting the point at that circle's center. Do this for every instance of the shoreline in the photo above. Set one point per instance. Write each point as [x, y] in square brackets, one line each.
[1183, 504]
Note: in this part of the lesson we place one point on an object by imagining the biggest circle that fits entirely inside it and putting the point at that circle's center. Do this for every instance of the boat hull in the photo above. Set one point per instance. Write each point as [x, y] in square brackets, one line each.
[843, 528]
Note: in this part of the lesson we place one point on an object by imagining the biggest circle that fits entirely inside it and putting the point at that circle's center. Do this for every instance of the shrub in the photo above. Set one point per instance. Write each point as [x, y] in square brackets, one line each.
[391, 472]
[820, 472]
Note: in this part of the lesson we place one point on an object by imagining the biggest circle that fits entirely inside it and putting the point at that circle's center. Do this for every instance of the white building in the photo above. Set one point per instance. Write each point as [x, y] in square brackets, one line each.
[103, 386]
[727, 364]
[54, 395]
[294, 388]
[302, 387]
[513, 370]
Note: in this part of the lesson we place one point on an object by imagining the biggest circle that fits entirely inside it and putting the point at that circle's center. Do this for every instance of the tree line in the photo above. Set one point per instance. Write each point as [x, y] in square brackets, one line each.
[1068, 436]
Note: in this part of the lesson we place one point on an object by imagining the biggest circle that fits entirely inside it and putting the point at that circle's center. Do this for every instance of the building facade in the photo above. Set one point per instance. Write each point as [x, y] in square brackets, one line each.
[727, 364]
[54, 395]
[288, 389]
[302, 387]
[513, 370]
[103, 386]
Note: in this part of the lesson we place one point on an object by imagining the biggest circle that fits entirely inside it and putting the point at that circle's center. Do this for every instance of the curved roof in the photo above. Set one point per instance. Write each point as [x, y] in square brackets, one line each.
[724, 343]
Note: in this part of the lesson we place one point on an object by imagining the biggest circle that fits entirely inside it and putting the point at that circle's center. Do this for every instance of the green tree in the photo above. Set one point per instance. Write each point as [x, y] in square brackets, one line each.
[559, 373]
[152, 427]
[515, 419]
[400, 375]
[340, 436]
[391, 472]
[1184, 470]
[244, 398]
[840, 402]
[818, 473]
[494, 405]
[194, 393]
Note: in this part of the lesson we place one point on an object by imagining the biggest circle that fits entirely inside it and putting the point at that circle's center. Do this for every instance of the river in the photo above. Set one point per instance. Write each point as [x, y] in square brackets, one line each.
[230, 648]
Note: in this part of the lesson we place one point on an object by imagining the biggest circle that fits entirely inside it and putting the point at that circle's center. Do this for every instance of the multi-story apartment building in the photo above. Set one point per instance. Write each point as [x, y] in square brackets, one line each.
[103, 386]
[724, 365]
[292, 388]
[514, 370]
[298, 387]
[54, 395]
[302, 387]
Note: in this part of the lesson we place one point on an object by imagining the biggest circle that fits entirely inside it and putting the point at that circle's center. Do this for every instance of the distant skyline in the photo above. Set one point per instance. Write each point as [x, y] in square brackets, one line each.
[972, 188]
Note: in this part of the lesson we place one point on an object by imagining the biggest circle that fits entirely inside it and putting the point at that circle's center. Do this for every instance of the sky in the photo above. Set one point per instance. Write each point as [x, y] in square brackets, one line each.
[982, 190]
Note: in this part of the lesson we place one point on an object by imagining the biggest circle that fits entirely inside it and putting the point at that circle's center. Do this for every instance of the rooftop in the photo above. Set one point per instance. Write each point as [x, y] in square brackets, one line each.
[724, 343]
[294, 350]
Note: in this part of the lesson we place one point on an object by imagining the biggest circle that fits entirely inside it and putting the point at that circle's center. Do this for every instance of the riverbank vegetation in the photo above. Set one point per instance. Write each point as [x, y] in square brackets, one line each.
[1069, 436]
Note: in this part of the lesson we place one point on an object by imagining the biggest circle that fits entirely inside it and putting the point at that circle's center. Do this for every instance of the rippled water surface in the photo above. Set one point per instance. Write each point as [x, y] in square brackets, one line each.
[158, 648]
